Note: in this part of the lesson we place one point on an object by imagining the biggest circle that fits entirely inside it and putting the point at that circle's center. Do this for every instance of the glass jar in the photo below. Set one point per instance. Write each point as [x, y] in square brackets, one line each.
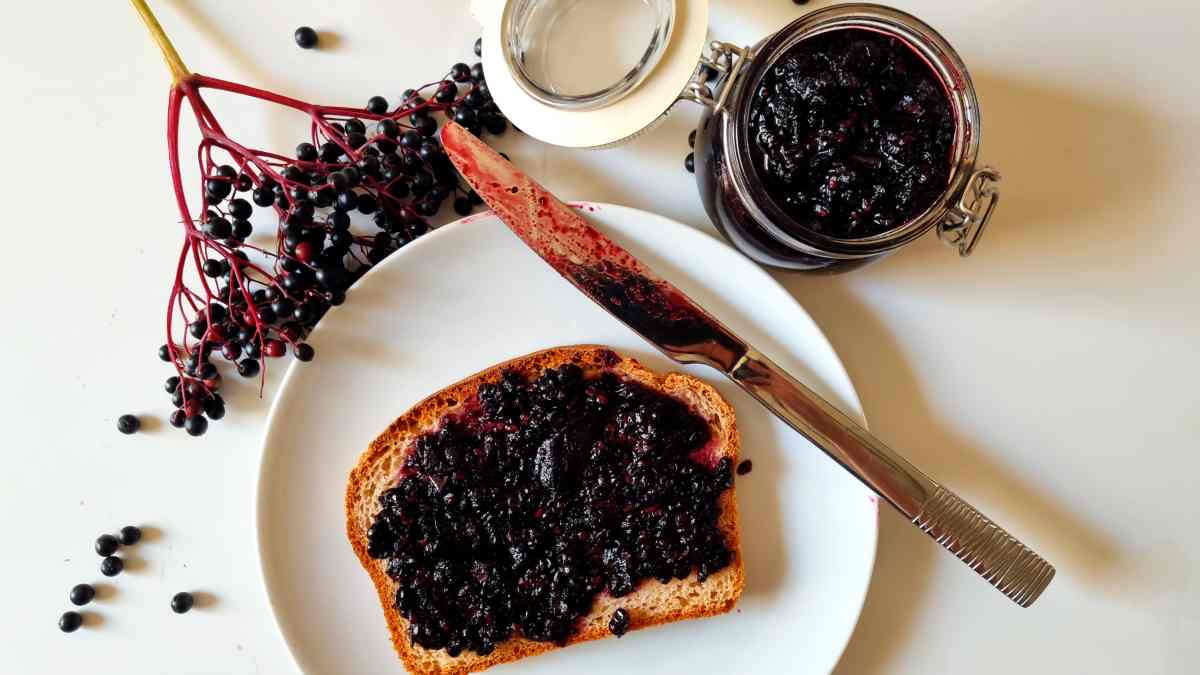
[736, 199]
[659, 56]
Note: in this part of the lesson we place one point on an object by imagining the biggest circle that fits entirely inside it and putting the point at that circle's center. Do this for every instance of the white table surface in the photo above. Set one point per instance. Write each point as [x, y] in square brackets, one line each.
[1051, 379]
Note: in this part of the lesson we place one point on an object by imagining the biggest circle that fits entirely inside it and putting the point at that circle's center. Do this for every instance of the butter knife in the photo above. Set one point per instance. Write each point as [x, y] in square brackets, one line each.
[684, 331]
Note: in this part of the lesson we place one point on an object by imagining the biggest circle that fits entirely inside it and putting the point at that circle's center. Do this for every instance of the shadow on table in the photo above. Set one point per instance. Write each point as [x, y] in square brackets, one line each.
[892, 396]
[1077, 171]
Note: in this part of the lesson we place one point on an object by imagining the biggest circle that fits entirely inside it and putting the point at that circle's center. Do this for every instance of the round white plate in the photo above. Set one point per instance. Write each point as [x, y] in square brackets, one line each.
[470, 295]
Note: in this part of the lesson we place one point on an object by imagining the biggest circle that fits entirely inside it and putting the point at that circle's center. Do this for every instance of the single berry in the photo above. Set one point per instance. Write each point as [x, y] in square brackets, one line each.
[82, 594]
[182, 602]
[214, 407]
[111, 566]
[462, 206]
[479, 47]
[248, 367]
[305, 352]
[195, 425]
[619, 623]
[689, 162]
[745, 467]
[70, 622]
[106, 545]
[460, 72]
[306, 37]
[177, 418]
[427, 126]
[377, 105]
[306, 152]
[128, 424]
[130, 535]
[164, 353]
[692, 139]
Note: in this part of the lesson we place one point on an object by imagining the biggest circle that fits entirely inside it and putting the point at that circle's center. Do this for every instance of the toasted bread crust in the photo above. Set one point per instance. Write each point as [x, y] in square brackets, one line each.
[651, 603]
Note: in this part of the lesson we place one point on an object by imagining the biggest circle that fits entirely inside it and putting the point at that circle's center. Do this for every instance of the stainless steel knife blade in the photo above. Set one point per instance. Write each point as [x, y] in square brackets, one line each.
[686, 332]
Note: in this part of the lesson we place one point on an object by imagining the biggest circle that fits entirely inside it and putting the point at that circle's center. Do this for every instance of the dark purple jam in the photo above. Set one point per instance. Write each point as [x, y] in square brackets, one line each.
[519, 511]
[852, 133]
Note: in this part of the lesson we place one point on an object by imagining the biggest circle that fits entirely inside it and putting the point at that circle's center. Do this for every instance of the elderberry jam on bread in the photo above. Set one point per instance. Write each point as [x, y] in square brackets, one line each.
[518, 510]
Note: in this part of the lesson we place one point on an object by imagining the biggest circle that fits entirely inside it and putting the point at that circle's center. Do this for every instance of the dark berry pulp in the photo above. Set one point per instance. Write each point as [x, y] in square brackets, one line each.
[851, 132]
[539, 495]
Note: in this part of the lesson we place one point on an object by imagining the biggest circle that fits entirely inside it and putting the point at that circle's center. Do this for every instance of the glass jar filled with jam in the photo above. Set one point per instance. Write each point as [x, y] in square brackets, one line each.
[838, 139]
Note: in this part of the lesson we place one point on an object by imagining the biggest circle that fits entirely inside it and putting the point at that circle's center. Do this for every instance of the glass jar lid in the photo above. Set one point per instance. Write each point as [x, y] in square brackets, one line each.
[589, 73]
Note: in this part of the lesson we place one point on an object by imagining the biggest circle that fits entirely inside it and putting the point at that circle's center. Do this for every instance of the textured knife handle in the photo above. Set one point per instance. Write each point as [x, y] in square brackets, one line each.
[985, 547]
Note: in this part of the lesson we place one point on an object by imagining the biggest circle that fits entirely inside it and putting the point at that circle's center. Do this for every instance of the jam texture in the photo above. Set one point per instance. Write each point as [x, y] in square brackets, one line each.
[851, 133]
[540, 495]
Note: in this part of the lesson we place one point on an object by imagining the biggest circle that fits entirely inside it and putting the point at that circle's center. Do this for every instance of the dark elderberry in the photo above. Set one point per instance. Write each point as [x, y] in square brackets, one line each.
[177, 418]
[495, 124]
[248, 367]
[427, 126]
[306, 37]
[411, 140]
[477, 72]
[356, 126]
[214, 407]
[479, 47]
[388, 127]
[164, 353]
[330, 151]
[128, 424]
[447, 92]
[263, 197]
[460, 72]
[305, 352]
[195, 425]
[306, 152]
[377, 105]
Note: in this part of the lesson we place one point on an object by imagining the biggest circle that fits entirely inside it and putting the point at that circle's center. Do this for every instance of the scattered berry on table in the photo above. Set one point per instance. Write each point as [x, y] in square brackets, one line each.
[70, 622]
[306, 37]
[479, 47]
[111, 566]
[82, 594]
[745, 467]
[182, 602]
[106, 545]
[689, 162]
[128, 424]
[130, 535]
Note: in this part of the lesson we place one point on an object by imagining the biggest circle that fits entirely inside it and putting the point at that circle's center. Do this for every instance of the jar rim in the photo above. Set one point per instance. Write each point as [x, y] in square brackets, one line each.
[946, 64]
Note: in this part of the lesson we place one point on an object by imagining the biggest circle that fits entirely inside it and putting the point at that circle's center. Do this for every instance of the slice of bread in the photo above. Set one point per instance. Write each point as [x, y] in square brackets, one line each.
[651, 603]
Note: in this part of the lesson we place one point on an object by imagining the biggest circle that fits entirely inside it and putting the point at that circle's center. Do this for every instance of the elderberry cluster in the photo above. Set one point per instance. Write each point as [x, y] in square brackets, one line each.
[382, 170]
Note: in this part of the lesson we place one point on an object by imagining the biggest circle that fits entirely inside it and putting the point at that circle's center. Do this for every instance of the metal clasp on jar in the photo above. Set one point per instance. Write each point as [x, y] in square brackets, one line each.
[722, 57]
[968, 218]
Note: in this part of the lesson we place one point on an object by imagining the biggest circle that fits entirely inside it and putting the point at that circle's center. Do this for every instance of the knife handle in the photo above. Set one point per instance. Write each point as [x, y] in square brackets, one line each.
[985, 547]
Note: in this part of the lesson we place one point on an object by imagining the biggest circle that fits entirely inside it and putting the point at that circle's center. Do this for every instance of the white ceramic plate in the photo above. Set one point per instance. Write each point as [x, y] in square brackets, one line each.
[470, 295]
